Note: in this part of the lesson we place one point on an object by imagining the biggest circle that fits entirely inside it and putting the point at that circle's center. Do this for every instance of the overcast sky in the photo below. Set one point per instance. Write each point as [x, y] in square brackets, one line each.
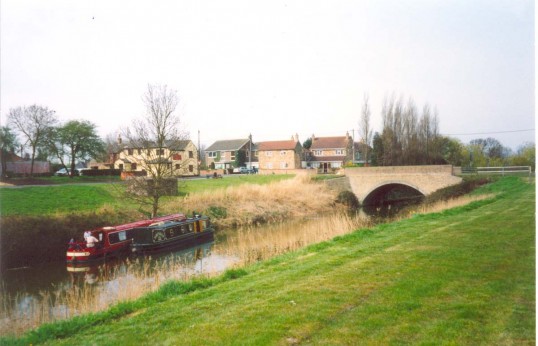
[275, 68]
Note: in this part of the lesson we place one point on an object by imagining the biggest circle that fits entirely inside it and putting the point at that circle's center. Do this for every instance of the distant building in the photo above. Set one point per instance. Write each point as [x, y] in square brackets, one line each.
[222, 154]
[180, 158]
[17, 166]
[329, 153]
[278, 156]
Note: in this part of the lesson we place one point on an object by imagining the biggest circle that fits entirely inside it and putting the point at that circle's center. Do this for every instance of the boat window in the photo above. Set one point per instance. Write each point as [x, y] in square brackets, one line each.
[113, 238]
[158, 235]
[116, 237]
[100, 236]
[191, 227]
[171, 232]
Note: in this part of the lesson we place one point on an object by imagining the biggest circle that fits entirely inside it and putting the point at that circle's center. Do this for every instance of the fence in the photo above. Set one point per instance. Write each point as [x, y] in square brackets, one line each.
[504, 170]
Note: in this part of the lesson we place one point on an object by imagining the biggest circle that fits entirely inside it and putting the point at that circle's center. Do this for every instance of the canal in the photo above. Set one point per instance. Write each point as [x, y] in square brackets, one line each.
[56, 291]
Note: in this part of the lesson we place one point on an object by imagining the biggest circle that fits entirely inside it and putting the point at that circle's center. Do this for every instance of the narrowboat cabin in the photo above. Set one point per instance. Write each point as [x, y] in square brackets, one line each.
[170, 234]
[112, 241]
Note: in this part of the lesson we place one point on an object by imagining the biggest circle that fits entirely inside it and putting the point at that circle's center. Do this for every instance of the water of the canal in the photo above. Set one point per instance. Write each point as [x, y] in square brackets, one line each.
[52, 291]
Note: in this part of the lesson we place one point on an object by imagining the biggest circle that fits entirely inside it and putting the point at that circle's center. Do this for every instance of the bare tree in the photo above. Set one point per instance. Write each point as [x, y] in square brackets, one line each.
[32, 122]
[155, 139]
[365, 127]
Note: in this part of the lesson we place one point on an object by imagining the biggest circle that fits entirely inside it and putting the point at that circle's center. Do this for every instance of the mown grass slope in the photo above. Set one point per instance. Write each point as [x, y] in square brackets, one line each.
[465, 276]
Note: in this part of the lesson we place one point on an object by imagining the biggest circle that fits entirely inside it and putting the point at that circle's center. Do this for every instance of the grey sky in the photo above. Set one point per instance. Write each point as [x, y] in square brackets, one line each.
[274, 68]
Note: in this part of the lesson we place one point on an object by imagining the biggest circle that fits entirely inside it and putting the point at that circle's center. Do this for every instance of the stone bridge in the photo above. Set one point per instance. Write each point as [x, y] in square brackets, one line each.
[366, 182]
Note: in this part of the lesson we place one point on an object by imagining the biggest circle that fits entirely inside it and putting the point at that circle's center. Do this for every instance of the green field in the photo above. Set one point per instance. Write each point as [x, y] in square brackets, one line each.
[462, 277]
[72, 195]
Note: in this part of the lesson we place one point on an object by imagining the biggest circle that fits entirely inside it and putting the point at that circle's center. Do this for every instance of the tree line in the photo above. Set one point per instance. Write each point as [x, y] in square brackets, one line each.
[411, 136]
[47, 138]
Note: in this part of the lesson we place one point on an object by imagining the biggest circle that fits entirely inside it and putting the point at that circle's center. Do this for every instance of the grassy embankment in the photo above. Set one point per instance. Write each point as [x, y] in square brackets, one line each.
[462, 276]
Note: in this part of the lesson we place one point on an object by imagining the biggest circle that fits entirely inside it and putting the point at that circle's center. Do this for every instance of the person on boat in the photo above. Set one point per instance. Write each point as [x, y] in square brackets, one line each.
[87, 234]
[91, 241]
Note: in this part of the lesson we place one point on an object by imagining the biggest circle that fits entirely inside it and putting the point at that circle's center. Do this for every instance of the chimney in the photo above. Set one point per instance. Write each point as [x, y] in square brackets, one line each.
[313, 137]
[295, 137]
[119, 138]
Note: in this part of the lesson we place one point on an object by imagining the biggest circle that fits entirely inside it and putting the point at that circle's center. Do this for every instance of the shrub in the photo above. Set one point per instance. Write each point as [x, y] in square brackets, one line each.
[217, 212]
[348, 199]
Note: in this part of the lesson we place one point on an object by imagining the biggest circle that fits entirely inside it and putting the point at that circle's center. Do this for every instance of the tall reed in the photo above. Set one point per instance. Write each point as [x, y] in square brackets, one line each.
[251, 204]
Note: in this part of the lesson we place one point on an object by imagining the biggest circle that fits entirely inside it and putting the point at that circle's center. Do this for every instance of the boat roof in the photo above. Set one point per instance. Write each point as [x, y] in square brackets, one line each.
[142, 223]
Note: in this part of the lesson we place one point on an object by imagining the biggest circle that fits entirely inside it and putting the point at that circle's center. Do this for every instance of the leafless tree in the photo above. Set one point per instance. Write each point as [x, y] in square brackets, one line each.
[32, 122]
[365, 127]
[408, 139]
[155, 139]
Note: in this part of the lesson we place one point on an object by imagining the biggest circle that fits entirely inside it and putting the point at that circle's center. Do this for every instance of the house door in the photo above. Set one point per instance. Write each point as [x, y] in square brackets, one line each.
[326, 167]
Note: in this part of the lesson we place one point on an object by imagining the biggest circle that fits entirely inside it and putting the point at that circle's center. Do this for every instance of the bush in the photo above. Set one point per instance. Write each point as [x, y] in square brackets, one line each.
[348, 199]
[217, 212]
[465, 187]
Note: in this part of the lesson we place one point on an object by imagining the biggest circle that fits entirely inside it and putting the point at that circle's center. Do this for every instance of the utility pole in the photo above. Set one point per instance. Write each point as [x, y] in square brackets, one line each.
[199, 153]
[250, 152]
[353, 145]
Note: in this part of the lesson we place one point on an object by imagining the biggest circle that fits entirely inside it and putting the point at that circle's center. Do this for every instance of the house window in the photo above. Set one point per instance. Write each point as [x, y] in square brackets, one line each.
[269, 165]
[318, 152]
[268, 153]
[139, 151]
[129, 151]
[191, 154]
[177, 166]
[232, 155]
[339, 152]
[120, 166]
[149, 152]
[282, 152]
[159, 152]
[283, 165]
[191, 168]
[133, 166]
[211, 154]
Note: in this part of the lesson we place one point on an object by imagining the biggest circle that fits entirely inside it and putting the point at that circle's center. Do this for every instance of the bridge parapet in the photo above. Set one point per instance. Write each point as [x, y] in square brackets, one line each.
[425, 179]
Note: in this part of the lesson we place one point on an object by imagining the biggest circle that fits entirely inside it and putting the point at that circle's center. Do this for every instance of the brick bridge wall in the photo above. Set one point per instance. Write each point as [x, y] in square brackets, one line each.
[425, 179]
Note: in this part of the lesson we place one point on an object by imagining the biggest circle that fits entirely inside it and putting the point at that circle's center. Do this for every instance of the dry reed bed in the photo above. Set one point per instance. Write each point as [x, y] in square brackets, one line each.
[250, 245]
[249, 204]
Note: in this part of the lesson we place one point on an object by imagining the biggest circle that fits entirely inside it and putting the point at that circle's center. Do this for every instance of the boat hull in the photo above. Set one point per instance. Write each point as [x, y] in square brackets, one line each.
[87, 255]
[178, 242]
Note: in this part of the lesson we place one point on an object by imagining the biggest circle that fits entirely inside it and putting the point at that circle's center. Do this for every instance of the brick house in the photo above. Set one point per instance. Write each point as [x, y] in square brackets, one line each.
[179, 159]
[279, 156]
[329, 153]
[222, 154]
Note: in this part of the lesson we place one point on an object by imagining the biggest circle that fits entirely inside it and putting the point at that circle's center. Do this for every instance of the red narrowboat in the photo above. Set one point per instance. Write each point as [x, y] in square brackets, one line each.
[112, 241]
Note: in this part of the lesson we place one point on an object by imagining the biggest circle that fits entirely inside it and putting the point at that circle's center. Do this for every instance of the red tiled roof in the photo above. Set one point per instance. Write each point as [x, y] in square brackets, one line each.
[277, 145]
[329, 142]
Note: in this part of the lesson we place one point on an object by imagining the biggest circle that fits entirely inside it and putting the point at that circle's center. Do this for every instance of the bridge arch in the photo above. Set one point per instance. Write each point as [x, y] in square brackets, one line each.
[377, 193]
[424, 179]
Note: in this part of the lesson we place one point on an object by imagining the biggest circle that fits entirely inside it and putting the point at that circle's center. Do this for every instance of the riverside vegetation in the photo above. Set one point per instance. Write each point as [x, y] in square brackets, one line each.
[461, 276]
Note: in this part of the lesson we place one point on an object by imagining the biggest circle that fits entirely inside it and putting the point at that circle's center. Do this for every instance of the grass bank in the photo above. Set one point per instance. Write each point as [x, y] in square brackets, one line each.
[462, 276]
[62, 195]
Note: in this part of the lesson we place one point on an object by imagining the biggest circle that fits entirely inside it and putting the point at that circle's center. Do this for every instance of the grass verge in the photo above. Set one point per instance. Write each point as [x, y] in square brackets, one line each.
[462, 276]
